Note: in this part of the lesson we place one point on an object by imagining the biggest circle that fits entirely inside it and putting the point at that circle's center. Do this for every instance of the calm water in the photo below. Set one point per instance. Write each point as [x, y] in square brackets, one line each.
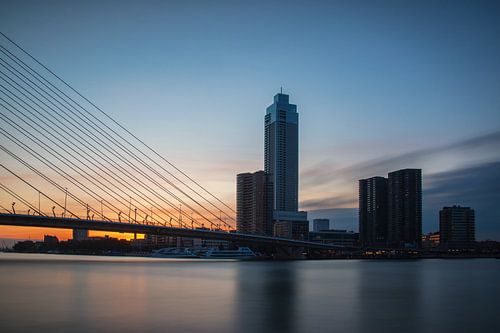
[55, 293]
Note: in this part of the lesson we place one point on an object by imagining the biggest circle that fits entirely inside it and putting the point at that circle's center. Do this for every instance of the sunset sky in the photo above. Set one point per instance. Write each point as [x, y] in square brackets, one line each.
[379, 86]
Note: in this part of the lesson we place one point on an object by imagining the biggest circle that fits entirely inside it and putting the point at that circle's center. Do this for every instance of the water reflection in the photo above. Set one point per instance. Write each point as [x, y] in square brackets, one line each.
[389, 296]
[266, 297]
[85, 294]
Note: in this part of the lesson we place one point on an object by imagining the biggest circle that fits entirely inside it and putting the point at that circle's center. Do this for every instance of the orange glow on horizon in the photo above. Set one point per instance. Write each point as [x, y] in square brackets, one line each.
[62, 234]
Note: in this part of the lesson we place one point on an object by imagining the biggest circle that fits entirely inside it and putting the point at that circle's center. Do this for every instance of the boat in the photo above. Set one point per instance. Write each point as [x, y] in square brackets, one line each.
[174, 252]
[240, 253]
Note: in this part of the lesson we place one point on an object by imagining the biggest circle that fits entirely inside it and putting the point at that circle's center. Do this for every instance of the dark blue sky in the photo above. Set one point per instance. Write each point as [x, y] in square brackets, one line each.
[373, 81]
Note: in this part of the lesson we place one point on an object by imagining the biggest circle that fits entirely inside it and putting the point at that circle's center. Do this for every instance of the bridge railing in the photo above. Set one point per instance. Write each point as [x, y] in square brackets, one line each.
[31, 212]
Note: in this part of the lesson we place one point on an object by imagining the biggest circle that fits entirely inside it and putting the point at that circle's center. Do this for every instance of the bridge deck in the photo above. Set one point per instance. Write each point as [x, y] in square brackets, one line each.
[72, 223]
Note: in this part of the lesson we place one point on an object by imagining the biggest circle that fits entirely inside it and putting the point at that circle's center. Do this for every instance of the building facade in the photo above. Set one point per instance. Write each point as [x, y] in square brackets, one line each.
[50, 240]
[335, 237]
[281, 152]
[254, 210]
[321, 224]
[405, 208]
[80, 234]
[373, 211]
[281, 163]
[291, 225]
[430, 240]
[457, 227]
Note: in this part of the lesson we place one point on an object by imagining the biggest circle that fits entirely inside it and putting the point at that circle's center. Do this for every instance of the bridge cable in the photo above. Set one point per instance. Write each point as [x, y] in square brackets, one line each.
[72, 167]
[123, 128]
[48, 179]
[149, 178]
[36, 189]
[18, 197]
[51, 133]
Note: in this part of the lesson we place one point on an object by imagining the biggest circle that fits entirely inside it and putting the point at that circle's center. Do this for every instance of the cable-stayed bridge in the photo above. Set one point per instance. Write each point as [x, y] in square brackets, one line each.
[66, 163]
[72, 223]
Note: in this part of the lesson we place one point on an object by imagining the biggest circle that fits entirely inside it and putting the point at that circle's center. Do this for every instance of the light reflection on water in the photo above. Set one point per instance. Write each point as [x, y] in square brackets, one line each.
[111, 294]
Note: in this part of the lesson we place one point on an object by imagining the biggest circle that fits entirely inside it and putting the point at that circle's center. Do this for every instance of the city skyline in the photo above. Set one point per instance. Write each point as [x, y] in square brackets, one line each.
[249, 166]
[456, 146]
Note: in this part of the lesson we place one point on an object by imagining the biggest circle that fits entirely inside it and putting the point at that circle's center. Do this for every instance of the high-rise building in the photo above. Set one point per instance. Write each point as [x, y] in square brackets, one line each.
[254, 212]
[405, 208]
[457, 227]
[373, 211]
[321, 225]
[281, 162]
[281, 152]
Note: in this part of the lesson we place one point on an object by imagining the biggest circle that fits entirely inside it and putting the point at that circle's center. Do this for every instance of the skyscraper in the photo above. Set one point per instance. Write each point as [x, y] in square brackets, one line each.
[281, 162]
[373, 211]
[405, 208]
[254, 203]
[281, 152]
[457, 227]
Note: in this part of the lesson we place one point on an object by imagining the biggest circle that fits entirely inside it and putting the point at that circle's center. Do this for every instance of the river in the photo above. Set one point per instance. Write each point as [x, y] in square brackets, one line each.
[63, 293]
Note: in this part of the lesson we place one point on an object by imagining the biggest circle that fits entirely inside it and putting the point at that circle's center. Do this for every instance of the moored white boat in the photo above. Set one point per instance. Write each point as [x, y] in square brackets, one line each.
[174, 252]
[240, 253]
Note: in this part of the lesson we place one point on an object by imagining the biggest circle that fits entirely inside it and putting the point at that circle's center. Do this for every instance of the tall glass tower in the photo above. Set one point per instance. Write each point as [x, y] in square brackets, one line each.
[281, 163]
[281, 152]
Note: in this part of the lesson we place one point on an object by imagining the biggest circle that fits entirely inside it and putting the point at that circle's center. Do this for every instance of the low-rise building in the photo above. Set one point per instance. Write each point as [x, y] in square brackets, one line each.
[292, 225]
[50, 240]
[80, 234]
[321, 224]
[430, 240]
[335, 237]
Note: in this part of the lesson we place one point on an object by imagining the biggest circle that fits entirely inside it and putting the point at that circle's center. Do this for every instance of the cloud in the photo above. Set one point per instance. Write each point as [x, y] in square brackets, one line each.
[477, 147]
[334, 201]
[477, 187]
[471, 177]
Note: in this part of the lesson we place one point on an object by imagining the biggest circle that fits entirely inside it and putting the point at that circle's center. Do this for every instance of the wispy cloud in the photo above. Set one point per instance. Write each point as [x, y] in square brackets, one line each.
[480, 147]
[477, 186]
[335, 201]
[472, 178]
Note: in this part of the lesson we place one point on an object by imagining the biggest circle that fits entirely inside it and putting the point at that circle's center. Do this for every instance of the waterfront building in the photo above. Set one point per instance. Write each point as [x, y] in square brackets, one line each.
[200, 242]
[335, 237]
[321, 224]
[208, 243]
[281, 152]
[101, 238]
[405, 208]
[254, 211]
[281, 163]
[373, 211]
[158, 241]
[291, 225]
[50, 240]
[80, 234]
[431, 240]
[457, 227]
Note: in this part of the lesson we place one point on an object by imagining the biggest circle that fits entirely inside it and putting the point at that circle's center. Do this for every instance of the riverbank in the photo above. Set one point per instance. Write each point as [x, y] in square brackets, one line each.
[267, 258]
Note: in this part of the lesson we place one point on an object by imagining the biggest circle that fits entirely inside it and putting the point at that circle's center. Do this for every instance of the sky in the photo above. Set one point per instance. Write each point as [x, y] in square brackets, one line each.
[379, 85]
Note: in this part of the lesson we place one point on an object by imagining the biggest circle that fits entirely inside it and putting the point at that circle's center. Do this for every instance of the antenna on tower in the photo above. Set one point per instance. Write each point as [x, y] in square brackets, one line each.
[281, 90]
